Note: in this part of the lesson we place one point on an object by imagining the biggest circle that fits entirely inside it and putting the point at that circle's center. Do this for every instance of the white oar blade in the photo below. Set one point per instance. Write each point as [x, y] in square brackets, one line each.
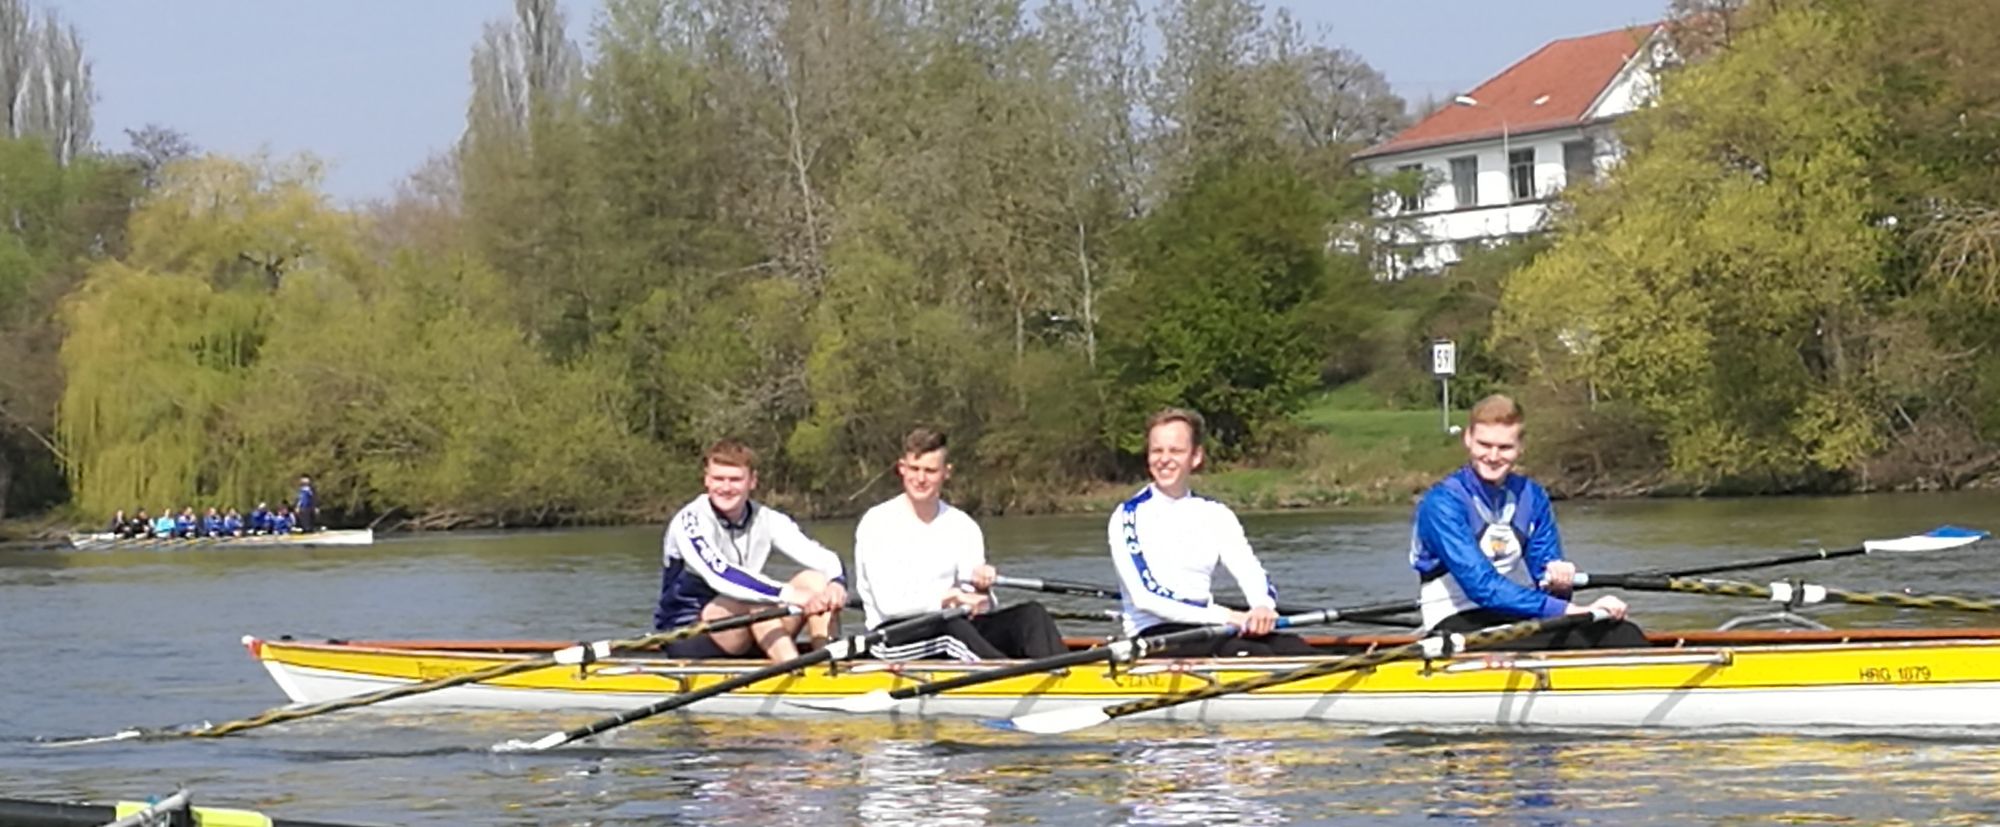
[876, 701]
[552, 739]
[125, 735]
[1936, 539]
[1055, 721]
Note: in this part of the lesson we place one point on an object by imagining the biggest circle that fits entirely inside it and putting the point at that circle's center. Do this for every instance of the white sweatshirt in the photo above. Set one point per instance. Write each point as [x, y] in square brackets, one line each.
[1165, 551]
[904, 566]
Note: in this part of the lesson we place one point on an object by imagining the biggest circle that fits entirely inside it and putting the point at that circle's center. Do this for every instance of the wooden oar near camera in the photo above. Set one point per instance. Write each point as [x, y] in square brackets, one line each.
[1119, 651]
[842, 649]
[1794, 593]
[1075, 718]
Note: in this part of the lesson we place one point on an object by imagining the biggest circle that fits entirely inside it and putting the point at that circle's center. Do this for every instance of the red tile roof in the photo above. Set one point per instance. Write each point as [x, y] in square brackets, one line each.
[1567, 75]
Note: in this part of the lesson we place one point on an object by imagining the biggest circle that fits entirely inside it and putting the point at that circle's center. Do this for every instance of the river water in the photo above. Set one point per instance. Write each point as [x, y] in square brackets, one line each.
[98, 641]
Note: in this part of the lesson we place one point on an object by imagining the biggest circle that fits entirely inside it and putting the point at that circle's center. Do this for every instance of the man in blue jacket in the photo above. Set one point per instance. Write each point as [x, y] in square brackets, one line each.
[307, 509]
[1486, 549]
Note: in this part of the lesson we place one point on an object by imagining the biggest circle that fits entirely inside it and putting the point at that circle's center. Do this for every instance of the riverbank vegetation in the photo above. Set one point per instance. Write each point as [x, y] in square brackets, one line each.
[812, 226]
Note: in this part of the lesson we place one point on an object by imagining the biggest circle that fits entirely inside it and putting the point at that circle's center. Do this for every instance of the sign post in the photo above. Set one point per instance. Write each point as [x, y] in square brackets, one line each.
[1444, 363]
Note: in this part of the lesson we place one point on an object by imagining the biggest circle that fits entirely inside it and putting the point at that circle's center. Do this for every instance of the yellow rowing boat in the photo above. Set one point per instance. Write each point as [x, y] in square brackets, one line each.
[1870, 679]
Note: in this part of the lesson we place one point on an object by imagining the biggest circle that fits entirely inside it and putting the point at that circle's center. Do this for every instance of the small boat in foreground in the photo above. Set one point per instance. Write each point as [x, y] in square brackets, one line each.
[94, 541]
[21, 812]
[1785, 679]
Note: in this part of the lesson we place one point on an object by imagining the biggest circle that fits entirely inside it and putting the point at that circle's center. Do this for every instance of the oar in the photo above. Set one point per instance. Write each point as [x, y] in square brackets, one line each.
[1066, 720]
[1121, 650]
[1036, 584]
[1794, 593]
[1937, 539]
[582, 653]
[837, 650]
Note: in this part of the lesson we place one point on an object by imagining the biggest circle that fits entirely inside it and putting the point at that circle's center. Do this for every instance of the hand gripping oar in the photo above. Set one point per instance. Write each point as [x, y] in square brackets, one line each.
[1121, 650]
[580, 654]
[837, 650]
[1036, 584]
[1794, 593]
[1066, 720]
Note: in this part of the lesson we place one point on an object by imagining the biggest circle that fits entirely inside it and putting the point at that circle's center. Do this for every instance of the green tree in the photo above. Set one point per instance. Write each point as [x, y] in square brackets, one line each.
[1228, 279]
[1725, 280]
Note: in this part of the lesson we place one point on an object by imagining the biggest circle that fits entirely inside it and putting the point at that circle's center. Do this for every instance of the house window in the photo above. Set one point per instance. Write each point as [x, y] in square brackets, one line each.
[1521, 173]
[1579, 161]
[1413, 195]
[1465, 181]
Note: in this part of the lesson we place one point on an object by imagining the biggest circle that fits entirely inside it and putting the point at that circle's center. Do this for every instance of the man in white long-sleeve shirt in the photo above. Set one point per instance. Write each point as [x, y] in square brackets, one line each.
[1166, 541]
[915, 554]
[712, 567]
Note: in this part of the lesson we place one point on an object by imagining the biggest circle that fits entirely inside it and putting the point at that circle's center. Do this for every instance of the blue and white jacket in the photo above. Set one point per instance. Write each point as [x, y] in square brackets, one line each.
[1165, 551]
[1481, 546]
[703, 556]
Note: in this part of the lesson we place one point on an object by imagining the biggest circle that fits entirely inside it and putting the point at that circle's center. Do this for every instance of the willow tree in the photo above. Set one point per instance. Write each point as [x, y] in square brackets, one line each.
[160, 345]
[1725, 281]
[152, 359]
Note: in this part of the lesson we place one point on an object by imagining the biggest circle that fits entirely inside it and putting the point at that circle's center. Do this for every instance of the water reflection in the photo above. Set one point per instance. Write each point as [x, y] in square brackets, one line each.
[909, 783]
[1202, 782]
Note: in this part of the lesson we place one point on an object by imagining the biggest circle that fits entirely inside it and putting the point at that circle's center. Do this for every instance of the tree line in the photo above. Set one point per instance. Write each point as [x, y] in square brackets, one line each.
[812, 225]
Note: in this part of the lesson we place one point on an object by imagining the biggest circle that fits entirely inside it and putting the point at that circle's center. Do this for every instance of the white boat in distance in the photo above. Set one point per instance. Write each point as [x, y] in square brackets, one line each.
[93, 541]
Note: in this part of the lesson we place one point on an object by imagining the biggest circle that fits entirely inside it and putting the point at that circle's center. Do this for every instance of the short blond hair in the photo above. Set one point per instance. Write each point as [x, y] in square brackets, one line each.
[731, 453]
[1498, 409]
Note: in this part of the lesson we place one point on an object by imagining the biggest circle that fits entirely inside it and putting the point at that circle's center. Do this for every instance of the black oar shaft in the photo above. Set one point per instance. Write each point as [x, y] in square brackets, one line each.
[652, 641]
[845, 648]
[1089, 590]
[1116, 650]
[1121, 650]
[1746, 565]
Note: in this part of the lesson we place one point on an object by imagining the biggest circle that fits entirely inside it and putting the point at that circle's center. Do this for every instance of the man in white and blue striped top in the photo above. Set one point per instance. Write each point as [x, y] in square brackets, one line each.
[1166, 541]
[712, 567]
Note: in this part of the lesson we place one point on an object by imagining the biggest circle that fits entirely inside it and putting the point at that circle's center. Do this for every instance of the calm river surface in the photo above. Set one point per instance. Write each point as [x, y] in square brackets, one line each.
[97, 641]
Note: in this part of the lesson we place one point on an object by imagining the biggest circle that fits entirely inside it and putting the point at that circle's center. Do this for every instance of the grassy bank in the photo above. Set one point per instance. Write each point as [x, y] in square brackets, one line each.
[1353, 451]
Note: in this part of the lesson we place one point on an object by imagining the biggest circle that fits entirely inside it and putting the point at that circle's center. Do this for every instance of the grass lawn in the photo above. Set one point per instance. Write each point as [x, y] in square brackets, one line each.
[1356, 451]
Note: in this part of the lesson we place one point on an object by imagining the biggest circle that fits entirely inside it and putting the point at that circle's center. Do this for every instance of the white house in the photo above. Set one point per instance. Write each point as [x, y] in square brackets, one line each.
[1493, 158]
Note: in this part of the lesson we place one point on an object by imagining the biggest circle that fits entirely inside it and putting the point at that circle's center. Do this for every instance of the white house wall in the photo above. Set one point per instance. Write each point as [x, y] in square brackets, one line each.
[1440, 224]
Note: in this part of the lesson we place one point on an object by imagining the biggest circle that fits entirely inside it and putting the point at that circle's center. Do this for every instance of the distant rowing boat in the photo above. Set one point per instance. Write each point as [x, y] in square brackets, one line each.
[1869, 679]
[106, 540]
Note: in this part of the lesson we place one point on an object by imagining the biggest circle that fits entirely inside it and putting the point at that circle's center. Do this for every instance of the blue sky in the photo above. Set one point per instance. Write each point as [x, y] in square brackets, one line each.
[374, 87]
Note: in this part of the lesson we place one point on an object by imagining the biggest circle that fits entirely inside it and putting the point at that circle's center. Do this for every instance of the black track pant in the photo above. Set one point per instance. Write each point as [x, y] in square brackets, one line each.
[1615, 634]
[1274, 644]
[1021, 631]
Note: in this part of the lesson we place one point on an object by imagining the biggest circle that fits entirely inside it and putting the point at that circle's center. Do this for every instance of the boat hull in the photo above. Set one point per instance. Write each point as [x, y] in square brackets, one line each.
[1894, 684]
[345, 537]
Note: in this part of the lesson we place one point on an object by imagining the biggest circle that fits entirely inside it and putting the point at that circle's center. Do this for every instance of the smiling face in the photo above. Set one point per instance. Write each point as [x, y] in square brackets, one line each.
[923, 476]
[1172, 456]
[1494, 449]
[729, 487]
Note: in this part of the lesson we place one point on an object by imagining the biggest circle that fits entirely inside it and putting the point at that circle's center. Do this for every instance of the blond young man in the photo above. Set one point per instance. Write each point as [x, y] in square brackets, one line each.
[916, 554]
[712, 567]
[1486, 549]
[1166, 541]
